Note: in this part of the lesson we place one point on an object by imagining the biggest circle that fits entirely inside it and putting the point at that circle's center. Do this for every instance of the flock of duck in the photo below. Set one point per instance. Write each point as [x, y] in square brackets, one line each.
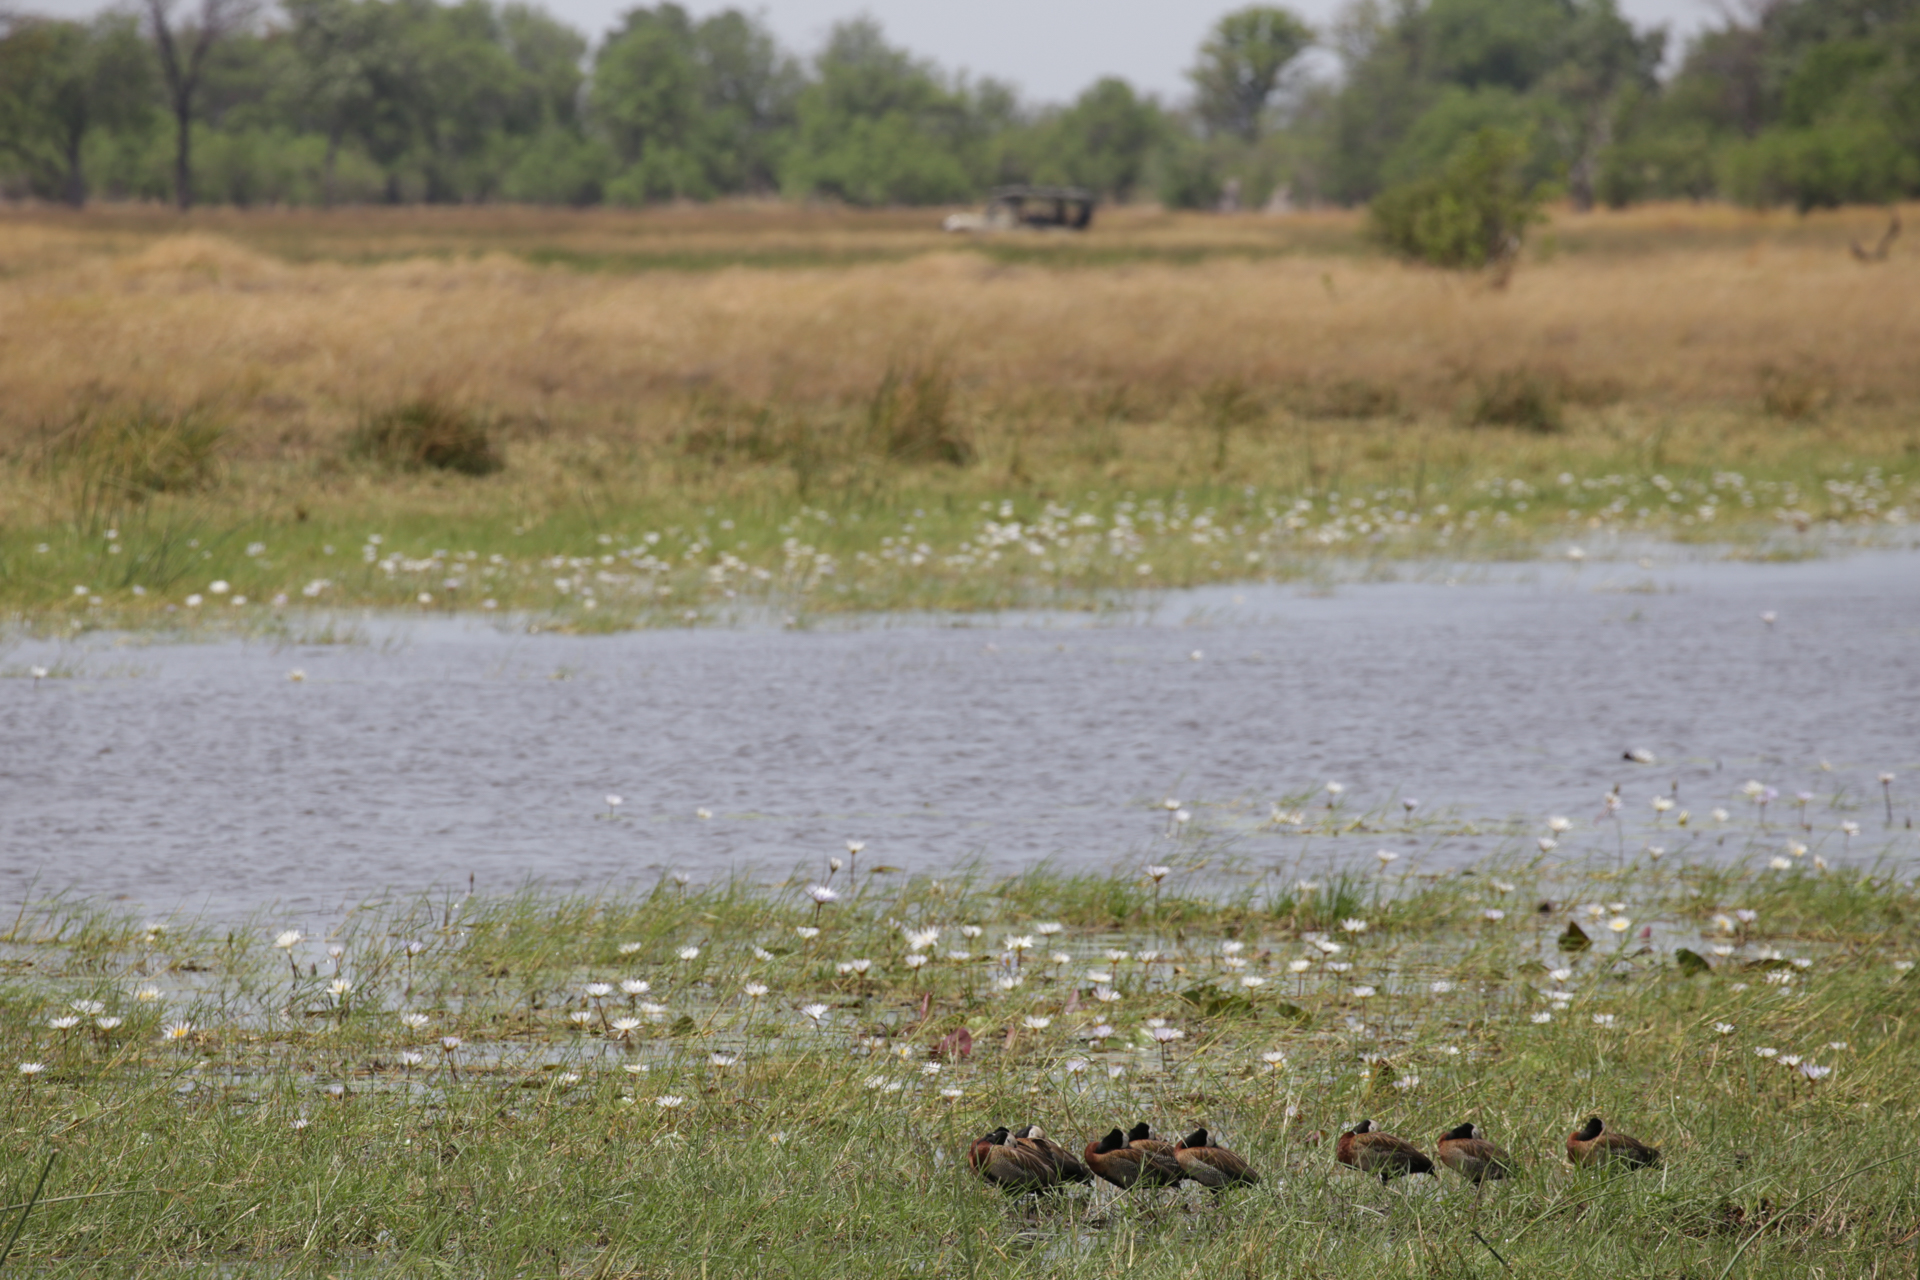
[1027, 1160]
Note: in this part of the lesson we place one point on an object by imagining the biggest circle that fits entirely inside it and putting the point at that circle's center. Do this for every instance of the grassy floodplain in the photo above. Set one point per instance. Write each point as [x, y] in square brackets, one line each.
[821, 410]
[733, 1079]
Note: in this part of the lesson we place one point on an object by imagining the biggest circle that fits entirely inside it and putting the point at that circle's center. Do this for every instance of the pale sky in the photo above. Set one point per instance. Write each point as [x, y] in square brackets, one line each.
[1049, 49]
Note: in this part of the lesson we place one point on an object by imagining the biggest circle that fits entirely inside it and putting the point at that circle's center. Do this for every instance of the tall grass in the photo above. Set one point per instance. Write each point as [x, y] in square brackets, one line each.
[840, 436]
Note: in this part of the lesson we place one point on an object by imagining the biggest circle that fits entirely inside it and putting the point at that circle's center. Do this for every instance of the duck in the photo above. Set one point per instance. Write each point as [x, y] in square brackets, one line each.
[1127, 1166]
[1213, 1167]
[1367, 1149]
[1009, 1166]
[1066, 1167]
[1141, 1138]
[1465, 1150]
[1593, 1145]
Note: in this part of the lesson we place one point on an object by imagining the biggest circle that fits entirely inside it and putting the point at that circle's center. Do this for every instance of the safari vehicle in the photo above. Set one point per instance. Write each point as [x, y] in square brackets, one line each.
[1041, 208]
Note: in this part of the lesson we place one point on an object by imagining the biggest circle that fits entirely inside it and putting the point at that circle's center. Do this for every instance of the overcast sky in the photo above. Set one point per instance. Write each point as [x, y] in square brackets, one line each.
[1049, 49]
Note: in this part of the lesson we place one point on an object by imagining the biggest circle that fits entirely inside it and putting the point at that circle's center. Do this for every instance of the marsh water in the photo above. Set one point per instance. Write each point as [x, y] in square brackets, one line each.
[198, 776]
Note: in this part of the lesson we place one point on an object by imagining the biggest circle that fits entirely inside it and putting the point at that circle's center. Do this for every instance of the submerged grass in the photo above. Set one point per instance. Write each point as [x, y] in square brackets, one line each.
[740, 1079]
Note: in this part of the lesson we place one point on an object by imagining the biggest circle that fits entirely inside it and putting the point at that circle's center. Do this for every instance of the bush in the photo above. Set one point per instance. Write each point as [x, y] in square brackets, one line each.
[1834, 163]
[1474, 213]
[1525, 398]
[426, 433]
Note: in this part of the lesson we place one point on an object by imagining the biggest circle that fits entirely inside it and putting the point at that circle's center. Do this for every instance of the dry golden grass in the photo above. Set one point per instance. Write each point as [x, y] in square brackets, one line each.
[294, 324]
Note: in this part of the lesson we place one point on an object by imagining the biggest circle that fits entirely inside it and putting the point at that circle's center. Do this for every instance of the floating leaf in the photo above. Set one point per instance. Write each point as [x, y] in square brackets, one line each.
[957, 1043]
[1211, 1001]
[1692, 963]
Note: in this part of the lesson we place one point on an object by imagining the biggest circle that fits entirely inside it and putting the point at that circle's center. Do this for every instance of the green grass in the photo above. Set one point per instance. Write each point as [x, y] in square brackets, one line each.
[576, 539]
[285, 1133]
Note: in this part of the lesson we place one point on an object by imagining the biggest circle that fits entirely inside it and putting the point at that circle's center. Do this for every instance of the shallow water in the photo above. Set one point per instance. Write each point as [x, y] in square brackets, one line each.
[198, 776]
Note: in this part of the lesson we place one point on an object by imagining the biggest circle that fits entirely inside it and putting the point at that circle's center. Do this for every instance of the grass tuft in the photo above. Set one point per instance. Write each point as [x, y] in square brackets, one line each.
[426, 434]
[1531, 399]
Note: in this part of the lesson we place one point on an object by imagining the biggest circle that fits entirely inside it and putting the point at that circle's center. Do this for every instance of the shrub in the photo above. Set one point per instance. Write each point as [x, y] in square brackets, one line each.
[1526, 398]
[1474, 213]
[1836, 162]
[426, 433]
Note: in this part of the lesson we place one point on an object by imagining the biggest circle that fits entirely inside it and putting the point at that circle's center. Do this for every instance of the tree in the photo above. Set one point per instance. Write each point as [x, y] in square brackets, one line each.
[1241, 65]
[877, 126]
[1472, 214]
[1104, 140]
[344, 49]
[183, 60]
[62, 81]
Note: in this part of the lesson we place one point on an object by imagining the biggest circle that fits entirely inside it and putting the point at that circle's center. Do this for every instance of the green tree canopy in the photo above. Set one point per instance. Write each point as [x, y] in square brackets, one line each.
[1241, 65]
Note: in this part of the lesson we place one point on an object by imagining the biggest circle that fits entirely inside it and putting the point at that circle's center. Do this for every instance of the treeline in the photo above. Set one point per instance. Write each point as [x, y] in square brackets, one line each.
[1809, 102]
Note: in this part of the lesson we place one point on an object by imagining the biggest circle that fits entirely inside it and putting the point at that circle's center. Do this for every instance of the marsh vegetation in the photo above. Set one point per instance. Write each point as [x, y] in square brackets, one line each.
[783, 1079]
[426, 410]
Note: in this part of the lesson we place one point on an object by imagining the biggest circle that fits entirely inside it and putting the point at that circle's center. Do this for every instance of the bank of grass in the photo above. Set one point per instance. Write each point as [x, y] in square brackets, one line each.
[939, 427]
[731, 516]
[728, 1130]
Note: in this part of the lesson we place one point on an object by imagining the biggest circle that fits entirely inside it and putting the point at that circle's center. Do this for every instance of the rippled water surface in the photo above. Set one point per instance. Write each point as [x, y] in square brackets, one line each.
[200, 776]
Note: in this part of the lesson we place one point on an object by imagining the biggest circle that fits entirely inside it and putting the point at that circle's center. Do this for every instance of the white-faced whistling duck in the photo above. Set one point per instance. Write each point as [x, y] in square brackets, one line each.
[1126, 1167]
[1210, 1166]
[1466, 1151]
[1593, 1145]
[1008, 1165]
[1141, 1138]
[1066, 1167]
[1367, 1149]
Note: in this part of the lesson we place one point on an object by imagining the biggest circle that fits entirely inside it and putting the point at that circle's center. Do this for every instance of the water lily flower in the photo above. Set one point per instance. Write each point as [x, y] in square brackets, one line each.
[635, 986]
[1602, 1019]
[817, 1012]
[689, 953]
[288, 940]
[1354, 925]
[1035, 1023]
